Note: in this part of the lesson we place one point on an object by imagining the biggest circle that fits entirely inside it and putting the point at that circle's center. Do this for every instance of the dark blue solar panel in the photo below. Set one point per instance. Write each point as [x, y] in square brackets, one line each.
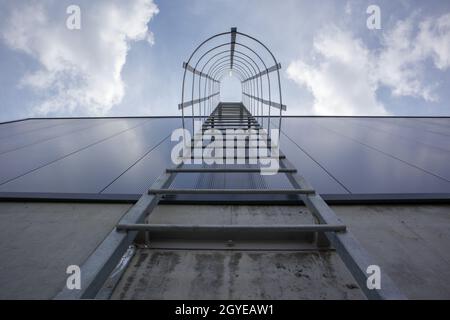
[441, 122]
[421, 156]
[30, 159]
[401, 133]
[13, 129]
[139, 177]
[310, 168]
[87, 161]
[29, 138]
[125, 156]
[360, 167]
[417, 125]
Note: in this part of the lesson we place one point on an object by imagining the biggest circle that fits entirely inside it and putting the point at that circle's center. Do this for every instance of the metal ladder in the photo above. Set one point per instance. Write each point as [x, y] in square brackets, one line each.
[330, 230]
[234, 116]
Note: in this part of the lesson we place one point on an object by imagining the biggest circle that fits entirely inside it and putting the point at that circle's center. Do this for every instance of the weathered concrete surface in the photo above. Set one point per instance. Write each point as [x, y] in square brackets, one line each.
[39, 240]
[230, 214]
[192, 274]
[409, 242]
[237, 274]
[233, 215]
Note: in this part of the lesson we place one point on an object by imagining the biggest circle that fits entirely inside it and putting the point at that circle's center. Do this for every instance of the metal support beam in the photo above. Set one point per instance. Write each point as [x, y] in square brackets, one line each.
[197, 72]
[264, 72]
[232, 45]
[231, 191]
[269, 103]
[194, 102]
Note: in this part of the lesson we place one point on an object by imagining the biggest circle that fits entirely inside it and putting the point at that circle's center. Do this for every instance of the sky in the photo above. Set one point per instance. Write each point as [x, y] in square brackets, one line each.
[126, 58]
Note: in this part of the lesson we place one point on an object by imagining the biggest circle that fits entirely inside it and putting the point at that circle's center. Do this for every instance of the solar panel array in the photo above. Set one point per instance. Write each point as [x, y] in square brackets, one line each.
[339, 156]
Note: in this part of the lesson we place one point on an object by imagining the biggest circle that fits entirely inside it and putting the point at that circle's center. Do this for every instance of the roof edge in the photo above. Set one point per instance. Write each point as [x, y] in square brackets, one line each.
[331, 199]
[179, 117]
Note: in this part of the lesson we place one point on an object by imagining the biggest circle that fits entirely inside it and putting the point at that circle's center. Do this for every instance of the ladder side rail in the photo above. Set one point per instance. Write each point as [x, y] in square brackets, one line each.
[101, 262]
[347, 246]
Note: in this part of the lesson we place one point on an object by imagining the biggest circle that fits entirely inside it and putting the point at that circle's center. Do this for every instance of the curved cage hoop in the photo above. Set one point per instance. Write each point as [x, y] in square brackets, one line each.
[246, 62]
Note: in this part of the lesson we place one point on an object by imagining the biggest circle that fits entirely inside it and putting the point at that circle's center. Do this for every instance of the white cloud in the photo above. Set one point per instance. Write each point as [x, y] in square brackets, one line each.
[79, 70]
[434, 40]
[348, 8]
[400, 62]
[347, 75]
[343, 82]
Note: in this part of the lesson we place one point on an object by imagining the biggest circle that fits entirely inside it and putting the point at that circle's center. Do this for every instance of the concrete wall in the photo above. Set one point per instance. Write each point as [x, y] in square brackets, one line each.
[262, 269]
[225, 274]
[39, 240]
[411, 243]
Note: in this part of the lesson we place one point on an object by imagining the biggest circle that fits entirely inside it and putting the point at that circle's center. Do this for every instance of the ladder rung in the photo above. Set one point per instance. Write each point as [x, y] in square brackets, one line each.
[245, 139]
[236, 157]
[233, 228]
[228, 127]
[247, 147]
[231, 191]
[231, 124]
[227, 117]
[230, 170]
[223, 129]
[225, 133]
[231, 120]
